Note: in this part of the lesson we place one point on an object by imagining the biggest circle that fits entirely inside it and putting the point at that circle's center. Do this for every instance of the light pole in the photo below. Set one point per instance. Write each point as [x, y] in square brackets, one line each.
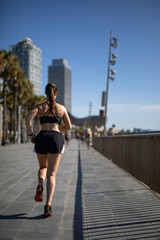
[89, 115]
[112, 62]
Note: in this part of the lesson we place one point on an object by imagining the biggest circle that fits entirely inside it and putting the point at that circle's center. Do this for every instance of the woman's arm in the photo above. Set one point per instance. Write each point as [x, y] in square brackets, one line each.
[29, 118]
[67, 122]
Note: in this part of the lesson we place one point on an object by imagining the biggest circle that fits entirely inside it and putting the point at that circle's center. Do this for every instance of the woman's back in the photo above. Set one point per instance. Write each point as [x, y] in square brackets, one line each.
[48, 120]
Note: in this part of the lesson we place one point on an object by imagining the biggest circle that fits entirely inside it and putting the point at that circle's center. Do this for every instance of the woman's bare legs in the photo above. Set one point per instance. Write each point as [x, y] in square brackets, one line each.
[43, 164]
[53, 163]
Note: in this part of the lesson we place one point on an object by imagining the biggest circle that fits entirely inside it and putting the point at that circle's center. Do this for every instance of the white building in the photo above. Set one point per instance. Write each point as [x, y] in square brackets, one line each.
[30, 61]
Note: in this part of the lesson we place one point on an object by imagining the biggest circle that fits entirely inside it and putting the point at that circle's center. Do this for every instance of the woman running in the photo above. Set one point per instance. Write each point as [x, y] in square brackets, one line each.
[49, 143]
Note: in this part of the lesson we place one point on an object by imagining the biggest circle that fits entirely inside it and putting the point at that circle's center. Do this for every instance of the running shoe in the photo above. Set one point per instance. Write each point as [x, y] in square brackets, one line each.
[39, 194]
[47, 211]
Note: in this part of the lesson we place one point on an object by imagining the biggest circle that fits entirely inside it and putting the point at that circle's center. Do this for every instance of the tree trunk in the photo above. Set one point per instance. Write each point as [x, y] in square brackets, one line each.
[15, 115]
[22, 140]
[4, 113]
[10, 123]
[10, 126]
[26, 110]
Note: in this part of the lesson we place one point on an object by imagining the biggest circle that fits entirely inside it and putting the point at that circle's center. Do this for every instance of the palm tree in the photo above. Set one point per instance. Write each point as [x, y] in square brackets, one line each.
[9, 102]
[25, 93]
[8, 70]
[19, 91]
[35, 100]
[17, 88]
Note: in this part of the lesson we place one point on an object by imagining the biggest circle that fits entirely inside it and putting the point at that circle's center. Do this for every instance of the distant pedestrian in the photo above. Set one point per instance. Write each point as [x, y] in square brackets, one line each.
[49, 143]
[89, 138]
[82, 137]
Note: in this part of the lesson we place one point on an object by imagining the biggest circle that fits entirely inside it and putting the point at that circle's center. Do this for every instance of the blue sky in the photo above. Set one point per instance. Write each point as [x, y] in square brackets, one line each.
[79, 32]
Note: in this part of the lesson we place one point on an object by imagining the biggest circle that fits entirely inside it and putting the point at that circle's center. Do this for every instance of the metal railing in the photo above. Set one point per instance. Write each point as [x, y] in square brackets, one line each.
[139, 154]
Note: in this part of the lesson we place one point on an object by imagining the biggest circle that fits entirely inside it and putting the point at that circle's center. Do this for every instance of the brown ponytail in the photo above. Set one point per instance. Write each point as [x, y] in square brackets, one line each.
[50, 91]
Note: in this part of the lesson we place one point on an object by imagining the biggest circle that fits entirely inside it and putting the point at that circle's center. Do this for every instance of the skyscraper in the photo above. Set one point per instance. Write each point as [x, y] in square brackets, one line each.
[60, 74]
[30, 61]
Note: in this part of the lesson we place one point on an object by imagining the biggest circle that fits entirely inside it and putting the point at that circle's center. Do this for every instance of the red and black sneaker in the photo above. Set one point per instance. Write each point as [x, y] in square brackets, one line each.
[47, 211]
[39, 194]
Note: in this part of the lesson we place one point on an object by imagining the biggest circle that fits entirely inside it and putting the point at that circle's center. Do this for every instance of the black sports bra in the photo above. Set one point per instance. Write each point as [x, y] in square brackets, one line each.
[48, 119]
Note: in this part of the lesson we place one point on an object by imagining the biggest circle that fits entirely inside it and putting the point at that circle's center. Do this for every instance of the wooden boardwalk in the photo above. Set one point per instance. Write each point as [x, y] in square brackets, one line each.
[94, 199]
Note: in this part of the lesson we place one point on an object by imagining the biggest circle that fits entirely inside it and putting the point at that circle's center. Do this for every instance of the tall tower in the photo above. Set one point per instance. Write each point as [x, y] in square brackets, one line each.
[30, 61]
[60, 74]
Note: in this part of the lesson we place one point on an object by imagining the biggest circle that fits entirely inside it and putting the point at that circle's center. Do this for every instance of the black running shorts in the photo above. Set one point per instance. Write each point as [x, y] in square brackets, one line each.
[49, 142]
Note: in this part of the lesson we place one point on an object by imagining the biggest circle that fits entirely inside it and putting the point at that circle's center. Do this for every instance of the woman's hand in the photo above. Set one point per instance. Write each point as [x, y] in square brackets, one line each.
[32, 139]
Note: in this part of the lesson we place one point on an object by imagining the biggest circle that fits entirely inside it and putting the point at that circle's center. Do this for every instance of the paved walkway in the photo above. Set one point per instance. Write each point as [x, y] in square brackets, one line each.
[94, 199]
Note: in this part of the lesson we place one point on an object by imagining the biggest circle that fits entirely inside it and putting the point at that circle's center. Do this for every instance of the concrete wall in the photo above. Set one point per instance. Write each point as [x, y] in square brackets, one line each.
[137, 154]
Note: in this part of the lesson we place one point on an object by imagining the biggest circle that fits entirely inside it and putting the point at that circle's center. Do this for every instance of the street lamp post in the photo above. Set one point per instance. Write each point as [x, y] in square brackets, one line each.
[89, 115]
[112, 62]
[106, 97]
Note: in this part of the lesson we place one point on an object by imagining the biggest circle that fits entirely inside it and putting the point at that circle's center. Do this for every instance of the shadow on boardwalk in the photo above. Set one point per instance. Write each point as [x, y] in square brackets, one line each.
[78, 212]
[94, 199]
[21, 216]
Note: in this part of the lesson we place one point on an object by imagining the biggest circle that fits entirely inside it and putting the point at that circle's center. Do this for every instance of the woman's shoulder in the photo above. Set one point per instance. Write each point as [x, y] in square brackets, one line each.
[39, 105]
[60, 109]
[60, 106]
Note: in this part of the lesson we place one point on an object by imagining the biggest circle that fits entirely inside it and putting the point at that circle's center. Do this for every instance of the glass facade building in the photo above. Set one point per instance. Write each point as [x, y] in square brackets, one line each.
[30, 61]
[60, 74]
